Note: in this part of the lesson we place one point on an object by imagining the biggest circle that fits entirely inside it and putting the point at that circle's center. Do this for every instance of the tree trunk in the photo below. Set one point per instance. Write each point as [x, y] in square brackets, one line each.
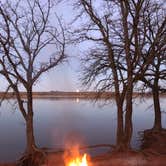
[30, 135]
[120, 133]
[29, 128]
[127, 44]
[128, 116]
[157, 110]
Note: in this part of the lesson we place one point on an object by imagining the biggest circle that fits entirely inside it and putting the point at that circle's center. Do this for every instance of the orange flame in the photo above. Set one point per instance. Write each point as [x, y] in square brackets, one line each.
[74, 158]
[78, 161]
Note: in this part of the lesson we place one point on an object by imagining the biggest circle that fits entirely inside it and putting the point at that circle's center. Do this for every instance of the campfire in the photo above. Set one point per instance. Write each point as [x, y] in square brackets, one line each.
[78, 161]
[75, 158]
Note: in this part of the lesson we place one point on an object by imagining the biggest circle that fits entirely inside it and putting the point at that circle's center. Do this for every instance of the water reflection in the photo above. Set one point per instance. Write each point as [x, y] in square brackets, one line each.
[77, 100]
[55, 120]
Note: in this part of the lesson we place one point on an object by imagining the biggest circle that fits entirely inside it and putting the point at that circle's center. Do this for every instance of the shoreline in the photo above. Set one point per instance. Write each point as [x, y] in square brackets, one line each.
[128, 158]
[72, 95]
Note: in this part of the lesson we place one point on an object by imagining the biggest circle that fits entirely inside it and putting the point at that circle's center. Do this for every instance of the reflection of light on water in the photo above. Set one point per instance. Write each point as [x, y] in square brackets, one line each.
[77, 100]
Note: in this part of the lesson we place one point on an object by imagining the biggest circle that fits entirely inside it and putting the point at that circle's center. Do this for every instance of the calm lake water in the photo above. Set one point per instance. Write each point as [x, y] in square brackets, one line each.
[56, 121]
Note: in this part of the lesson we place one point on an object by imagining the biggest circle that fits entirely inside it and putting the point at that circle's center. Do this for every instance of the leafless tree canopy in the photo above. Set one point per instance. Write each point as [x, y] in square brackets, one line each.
[26, 34]
[32, 41]
[143, 31]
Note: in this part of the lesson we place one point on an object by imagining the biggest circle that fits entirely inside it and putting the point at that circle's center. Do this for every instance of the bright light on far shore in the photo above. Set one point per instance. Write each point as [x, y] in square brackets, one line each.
[77, 90]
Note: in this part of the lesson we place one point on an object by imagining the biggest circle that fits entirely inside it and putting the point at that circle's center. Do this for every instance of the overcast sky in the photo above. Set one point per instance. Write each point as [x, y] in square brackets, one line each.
[65, 76]
[62, 78]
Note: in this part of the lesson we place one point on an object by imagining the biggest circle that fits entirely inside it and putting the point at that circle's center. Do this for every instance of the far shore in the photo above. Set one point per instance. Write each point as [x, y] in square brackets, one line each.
[72, 95]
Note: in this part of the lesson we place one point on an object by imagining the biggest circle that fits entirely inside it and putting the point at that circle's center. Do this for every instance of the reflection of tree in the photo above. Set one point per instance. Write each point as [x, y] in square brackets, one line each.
[25, 35]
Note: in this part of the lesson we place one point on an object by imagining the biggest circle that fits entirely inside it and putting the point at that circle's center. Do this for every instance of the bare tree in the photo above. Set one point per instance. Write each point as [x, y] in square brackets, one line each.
[114, 59]
[154, 80]
[155, 76]
[29, 46]
[154, 30]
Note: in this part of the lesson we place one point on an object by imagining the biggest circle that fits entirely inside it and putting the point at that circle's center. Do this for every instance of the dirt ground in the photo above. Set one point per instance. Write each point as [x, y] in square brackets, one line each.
[118, 159]
[112, 159]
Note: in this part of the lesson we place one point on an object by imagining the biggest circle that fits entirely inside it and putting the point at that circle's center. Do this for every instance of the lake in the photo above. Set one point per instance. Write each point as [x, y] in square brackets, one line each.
[56, 121]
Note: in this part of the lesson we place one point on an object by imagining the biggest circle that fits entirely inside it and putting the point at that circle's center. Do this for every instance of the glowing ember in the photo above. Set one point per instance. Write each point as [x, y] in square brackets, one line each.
[78, 161]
